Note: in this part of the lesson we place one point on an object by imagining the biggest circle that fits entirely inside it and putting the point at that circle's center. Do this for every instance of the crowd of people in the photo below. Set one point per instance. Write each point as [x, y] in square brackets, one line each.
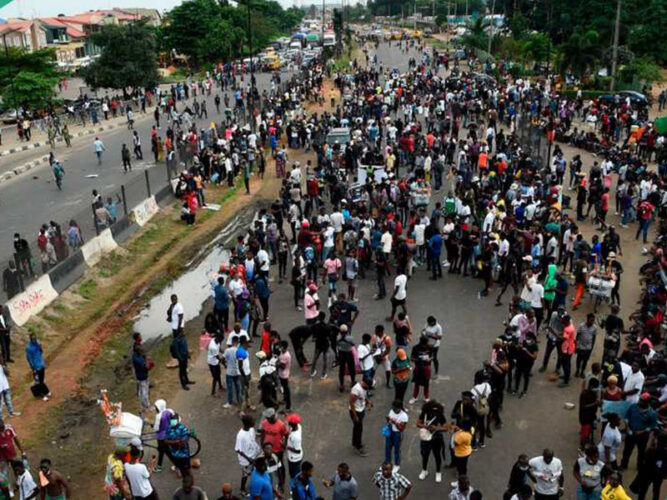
[433, 179]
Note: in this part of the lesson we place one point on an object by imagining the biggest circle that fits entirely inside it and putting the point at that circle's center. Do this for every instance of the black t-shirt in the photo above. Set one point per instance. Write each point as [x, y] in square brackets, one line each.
[340, 313]
[524, 358]
[321, 332]
[462, 412]
[433, 418]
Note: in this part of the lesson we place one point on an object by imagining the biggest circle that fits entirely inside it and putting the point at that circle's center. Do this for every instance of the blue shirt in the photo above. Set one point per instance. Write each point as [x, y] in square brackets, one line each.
[33, 352]
[140, 366]
[639, 420]
[303, 491]
[435, 244]
[179, 433]
[260, 486]
[261, 288]
[221, 297]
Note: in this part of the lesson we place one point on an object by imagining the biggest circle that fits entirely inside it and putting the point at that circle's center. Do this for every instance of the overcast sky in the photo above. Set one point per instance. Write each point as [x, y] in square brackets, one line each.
[40, 8]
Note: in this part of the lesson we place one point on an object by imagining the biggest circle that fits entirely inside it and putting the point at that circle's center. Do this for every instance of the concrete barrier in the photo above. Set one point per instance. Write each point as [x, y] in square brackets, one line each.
[144, 211]
[68, 271]
[36, 297]
[98, 246]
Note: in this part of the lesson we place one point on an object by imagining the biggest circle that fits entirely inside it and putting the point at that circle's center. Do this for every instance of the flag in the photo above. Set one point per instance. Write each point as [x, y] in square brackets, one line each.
[4, 2]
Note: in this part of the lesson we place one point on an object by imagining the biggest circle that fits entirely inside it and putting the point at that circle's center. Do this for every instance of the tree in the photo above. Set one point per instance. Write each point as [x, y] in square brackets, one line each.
[641, 70]
[538, 47]
[196, 29]
[128, 59]
[581, 51]
[28, 79]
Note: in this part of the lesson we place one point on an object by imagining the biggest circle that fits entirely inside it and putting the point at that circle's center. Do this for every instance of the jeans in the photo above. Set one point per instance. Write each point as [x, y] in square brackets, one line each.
[316, 356]
[142, 392]
[284, 383]
[346, 359]
[566, 360]
[393, 442]
[6, 397]
[437, 446]
[183, 372]
[583, 356]
[221, 318]
[591, 495]
[357, 428]
[643, 228]
[233, 387]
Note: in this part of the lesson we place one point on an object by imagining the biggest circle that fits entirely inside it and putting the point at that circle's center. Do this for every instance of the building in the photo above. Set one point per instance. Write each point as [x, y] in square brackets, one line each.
[68, 42]
[23, 34]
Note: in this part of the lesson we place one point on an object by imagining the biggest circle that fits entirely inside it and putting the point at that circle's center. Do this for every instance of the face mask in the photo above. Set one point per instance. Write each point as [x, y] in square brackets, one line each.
[523, 468]
[174, 422]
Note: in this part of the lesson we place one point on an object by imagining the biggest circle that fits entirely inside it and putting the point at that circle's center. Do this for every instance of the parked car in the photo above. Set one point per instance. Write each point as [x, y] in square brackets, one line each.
[460, 54]
[636, 98]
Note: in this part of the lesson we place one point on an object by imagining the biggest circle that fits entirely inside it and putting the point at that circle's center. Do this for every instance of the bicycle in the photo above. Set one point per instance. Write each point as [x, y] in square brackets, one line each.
[149, 440]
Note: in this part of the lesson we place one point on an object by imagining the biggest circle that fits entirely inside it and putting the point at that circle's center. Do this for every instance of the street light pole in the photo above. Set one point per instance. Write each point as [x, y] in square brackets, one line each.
[251, 101]
[614, 57]
[493, 8]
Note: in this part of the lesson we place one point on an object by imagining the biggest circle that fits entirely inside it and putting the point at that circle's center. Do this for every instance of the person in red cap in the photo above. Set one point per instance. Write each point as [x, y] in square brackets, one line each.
[294, 445]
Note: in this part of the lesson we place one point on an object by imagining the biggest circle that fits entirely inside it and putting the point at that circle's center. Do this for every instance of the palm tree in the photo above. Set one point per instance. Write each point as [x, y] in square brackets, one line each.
[581, 51]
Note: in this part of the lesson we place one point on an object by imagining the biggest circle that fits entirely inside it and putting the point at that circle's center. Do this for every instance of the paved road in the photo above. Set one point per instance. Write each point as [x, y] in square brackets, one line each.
[31, 199]
[537, 421]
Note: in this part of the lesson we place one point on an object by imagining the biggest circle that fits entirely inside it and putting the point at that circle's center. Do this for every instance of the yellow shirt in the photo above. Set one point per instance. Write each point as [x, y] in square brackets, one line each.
[618, 493]
[462, 444]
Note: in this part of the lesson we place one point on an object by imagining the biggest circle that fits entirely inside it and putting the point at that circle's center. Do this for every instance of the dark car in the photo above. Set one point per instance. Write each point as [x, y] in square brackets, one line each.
[636, 98]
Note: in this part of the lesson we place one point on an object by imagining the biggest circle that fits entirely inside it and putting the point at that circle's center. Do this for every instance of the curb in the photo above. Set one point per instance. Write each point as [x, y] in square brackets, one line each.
[34, 145]
[22, 169]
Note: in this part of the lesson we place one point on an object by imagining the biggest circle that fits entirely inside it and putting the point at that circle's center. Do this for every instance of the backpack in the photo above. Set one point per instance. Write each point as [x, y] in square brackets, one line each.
[482, 404]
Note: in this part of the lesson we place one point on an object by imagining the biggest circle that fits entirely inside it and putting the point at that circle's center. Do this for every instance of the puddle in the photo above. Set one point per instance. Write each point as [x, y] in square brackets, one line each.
[193, 288]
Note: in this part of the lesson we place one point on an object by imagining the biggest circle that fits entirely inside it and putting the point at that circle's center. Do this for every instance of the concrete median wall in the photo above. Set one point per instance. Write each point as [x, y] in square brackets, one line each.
[40, 293]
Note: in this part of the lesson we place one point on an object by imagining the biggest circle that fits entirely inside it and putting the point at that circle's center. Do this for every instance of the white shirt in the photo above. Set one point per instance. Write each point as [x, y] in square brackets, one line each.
[139, 479]
[537, 295]
[400, 417]
[527, 295]
[419, 234]
[482, 390]
[634, 381]
[546, 474]
[337, 221]
[401, 282]
[176, 311]
[487, 226]
[26, 484]
[236, 287]
[263, 257]
[386, 242]
[365, 357]
[232, 335]
[4, 383]
[362, 394]
[610, 438]
[246, 442]
[294, 441]
[329, 237]
[212, 353]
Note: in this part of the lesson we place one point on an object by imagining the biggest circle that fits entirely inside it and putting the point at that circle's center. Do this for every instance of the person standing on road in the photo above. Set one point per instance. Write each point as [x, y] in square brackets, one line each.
[358, 404]
[221, 306]
[546, 471]
[585, 343]
[568, 349]
[179, 351]
[139, 476]
[392, 485]
[213, 357]
[294, 445]
[247, 449]
[99, 148]
[343, 483]
[127, 158]
[11, 281]
[397, 420]
[399, 296]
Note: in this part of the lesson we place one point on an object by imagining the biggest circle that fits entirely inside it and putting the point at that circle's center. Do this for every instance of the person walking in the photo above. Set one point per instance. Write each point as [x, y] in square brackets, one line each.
[99, 149]
[126, 157]
[141, 366]
[213, 357]
[233, 380]
[546, 471]
[136, 141]
[35, 356]
[294, 445]
[6, 395]
[247, 449]
[568, 348]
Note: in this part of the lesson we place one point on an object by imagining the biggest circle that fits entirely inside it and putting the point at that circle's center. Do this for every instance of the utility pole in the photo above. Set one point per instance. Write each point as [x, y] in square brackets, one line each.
[252, 74]
[614, 57]
[414, 16]
[493, 8]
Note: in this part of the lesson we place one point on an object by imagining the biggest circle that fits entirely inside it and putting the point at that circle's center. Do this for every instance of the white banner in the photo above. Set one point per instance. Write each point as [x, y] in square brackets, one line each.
[36, 297]
[144, 211]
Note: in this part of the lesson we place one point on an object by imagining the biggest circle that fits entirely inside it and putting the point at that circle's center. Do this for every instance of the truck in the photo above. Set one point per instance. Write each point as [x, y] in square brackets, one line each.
[329, 40]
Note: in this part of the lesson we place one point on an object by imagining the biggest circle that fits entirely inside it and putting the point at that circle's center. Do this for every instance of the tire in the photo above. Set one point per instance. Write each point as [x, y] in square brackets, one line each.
[194, 445]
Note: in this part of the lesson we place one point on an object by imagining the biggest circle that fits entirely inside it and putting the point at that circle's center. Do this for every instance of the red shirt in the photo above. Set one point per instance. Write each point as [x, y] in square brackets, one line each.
[568, 339]
[275, 433]
[267, 342]
[7, 450]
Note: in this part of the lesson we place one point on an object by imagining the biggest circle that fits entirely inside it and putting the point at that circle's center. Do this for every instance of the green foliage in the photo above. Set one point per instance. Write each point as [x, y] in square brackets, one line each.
[642, 69]
[537, 47]
[580, 52]
[211, 31]
[128, 58]
[28, 79]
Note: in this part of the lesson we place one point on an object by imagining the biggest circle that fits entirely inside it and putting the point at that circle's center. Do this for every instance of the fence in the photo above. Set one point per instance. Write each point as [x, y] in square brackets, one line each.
[64, 250]
[533, 139]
